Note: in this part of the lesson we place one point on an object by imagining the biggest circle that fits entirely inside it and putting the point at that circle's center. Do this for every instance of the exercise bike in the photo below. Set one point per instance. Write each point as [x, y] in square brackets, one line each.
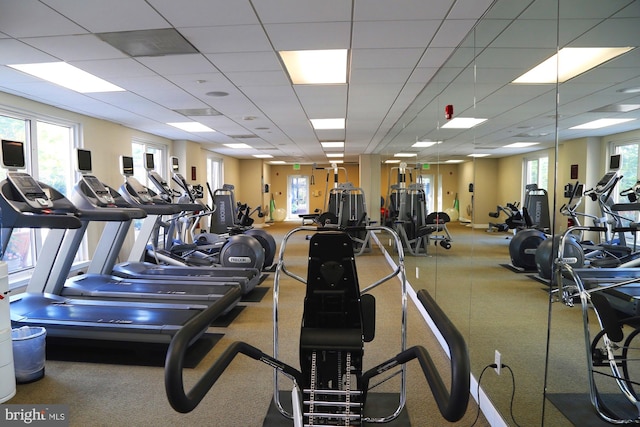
[331, 387]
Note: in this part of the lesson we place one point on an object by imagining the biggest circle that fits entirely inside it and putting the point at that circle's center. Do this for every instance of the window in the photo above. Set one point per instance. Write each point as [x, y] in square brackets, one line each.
[629, 168]
[630, 175]
[214, 175]
[138, 149]
[536, 171]
[49, 145]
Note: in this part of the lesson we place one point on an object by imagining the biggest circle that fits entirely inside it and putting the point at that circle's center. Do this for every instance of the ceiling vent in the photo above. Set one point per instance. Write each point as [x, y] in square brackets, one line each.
[198, 112]
[161, 42]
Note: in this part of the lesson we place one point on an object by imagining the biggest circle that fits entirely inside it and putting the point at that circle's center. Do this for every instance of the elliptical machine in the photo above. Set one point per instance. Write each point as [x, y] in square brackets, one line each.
[523, 246]
[231, 218]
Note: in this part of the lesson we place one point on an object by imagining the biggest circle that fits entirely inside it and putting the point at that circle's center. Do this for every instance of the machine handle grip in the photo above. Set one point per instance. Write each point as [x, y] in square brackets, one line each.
[185, 402]
[452, 405]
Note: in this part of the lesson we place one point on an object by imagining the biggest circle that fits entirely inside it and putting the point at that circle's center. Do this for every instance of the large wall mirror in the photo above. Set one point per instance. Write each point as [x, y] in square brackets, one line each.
[496, 308]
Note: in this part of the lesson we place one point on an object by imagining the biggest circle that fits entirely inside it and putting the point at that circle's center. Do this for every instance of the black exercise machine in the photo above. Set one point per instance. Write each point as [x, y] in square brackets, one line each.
[331, 387]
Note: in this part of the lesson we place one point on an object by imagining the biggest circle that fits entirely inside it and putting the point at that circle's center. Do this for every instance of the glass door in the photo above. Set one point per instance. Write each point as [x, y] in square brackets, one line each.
[297, 196]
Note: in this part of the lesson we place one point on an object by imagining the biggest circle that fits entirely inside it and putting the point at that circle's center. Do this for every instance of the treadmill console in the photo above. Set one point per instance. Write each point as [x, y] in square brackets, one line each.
[139, 190]
[98, 190]
[160, 183]
[606, 182]
[29, 190]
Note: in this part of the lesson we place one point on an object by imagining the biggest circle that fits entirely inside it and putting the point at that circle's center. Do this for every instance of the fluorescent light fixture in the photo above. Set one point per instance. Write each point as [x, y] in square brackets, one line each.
[191, 126]
[392, 161]
[454, 161]
[316, 66]
[277, 162]
[478, 155]
[521, 144]
[337, 161]
[237, 145]
[405, 155]
[323, 124]
[335, 154]
[462, 123]
[263, 156]
[425, 144]
[601, 123]
[68, 76]
[332, 144]
[568, 63]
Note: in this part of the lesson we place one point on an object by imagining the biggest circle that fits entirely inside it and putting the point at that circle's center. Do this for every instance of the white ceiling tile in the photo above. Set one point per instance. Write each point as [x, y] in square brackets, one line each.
[238, 38]
[385, 58]
[379, 10]
[306, 36]
[451, 33]
[114, 68]
[393, 34]
[100, 16]
[259, 78]
[31, 18]
[74, 47]
[380, 75]
[15, 52]
[247, 61]
[283, 11]
[178, 64]
[205, 13]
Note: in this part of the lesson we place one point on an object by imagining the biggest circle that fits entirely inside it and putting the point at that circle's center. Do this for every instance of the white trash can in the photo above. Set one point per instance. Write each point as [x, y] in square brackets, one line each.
[29, 353]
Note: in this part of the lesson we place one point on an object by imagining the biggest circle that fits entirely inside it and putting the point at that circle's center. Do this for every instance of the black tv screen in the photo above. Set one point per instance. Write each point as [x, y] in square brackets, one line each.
[13, 154]
[84, 160]
[127, 165]
[148, 161]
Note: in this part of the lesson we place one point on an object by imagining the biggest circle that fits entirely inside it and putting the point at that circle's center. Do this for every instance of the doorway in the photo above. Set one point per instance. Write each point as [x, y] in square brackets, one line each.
[297, 196]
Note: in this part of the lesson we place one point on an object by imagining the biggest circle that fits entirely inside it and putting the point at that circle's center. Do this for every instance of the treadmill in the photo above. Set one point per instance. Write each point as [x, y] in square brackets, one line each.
[26, 203]
[135, 267]
[100, 203]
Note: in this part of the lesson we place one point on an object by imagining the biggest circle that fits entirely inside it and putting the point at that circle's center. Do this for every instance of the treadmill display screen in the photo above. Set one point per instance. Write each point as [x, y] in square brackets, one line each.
[127, 165]
[84, 160]
[13, 154]
[148, 161]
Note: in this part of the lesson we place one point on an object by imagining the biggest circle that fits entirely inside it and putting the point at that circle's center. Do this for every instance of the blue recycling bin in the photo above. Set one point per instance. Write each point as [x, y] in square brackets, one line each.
[29, 353]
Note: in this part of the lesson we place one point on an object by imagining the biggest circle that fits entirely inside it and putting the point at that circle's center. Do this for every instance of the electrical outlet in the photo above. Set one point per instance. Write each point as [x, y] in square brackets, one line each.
[498, 362]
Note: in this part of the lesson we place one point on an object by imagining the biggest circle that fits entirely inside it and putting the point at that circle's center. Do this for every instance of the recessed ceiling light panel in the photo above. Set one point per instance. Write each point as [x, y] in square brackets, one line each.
[191, 126]
[316, 66]
[462, 123]
[327, 124]
[601, 123]
[68, 76]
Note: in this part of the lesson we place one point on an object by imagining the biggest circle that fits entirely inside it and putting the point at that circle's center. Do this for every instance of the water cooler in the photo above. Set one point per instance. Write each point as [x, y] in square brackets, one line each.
[7, 373]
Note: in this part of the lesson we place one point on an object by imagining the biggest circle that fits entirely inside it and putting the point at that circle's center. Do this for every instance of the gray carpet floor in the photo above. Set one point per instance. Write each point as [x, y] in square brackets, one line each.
[104, 394]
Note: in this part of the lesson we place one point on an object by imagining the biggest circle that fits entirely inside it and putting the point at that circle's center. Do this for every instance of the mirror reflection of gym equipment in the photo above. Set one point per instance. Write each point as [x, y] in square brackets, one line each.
[407, 214]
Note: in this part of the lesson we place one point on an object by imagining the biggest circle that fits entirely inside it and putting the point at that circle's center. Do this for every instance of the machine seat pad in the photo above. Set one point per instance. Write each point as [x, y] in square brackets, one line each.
[331, 339]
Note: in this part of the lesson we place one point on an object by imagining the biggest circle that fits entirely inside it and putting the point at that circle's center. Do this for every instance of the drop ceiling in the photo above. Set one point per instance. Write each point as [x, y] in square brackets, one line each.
[407, 60]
